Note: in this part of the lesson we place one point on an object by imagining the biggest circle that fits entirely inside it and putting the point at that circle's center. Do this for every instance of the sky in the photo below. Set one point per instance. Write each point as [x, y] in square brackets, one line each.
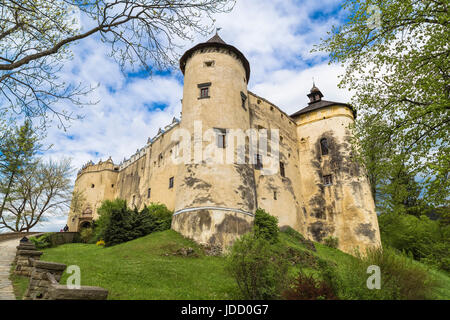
[276, 36]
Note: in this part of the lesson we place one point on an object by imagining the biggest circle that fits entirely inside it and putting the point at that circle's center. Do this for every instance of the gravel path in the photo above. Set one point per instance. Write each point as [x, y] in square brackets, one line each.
[7, 254]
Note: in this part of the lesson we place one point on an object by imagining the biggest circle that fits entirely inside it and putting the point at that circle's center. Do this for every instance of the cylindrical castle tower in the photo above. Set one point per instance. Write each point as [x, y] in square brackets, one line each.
[214, 102]
[334, 185]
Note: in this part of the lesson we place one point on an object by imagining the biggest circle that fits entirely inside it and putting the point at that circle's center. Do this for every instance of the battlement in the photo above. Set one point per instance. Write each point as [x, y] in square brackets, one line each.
[143, 151]
[100, 166]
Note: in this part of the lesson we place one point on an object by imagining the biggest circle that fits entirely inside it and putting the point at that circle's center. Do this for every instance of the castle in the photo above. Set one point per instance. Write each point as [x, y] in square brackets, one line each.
[318, 188]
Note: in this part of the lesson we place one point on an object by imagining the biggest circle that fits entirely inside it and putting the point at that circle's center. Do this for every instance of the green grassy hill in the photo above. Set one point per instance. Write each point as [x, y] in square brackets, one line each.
[149, 268]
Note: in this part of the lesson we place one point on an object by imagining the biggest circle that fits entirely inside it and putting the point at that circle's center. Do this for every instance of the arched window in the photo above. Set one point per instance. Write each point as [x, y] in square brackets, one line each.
[324, 146]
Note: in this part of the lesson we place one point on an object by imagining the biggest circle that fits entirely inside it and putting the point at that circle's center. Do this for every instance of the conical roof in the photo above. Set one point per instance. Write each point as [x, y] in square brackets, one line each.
[215, 41]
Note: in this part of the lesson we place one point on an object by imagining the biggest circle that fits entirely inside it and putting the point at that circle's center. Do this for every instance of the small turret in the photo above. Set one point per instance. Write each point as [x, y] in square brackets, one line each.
[315, 95]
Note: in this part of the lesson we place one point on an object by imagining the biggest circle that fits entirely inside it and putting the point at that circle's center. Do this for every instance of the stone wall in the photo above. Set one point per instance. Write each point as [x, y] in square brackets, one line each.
[45, 276]
[15, 235]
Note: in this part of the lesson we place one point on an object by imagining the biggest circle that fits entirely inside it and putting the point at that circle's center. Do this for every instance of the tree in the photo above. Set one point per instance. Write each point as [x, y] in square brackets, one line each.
[36, 35]
[17, 150]
[41, 189]
[396, 56]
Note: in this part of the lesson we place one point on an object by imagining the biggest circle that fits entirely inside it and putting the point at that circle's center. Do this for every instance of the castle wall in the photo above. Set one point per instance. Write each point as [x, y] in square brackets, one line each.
[150, 171]
[345, 209]
[279, 195]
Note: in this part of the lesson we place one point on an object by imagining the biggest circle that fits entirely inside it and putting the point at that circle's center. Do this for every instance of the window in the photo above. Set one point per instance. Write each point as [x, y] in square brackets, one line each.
[112, 186]
[327, 180]
[171, 183]
[209, 63]
[221, 137]
[258, 162]
[160, 158]
[134, 199]
[149, 191]
[243, 100]
[324, 146]
[204, 90]
[282, 172]
[204, 93]
[92, 185]
[274, 195]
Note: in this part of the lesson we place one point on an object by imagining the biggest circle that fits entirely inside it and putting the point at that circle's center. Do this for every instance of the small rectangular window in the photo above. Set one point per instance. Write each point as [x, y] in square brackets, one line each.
[171, 183]
[204, 90]
[258, 162]
[328, 180]
[274, 195]
[221, 137]
[149, 192]
[282, 172]
[324, 146]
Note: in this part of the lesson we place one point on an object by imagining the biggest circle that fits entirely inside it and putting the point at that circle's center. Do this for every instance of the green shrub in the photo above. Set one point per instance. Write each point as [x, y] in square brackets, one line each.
[42, 242]
[426, 240]
[259, 268]
[104, 212]
[162, 215]
[87, 235]
[266, 226]
[119, 224]
[401, 277]
[331, 242]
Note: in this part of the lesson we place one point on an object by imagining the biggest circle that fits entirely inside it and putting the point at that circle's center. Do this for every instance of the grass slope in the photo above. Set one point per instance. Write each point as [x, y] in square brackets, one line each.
[146, 268]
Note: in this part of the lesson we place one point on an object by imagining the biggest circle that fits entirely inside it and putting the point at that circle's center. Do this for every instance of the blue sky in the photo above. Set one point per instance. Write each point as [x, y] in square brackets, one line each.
[276, 36]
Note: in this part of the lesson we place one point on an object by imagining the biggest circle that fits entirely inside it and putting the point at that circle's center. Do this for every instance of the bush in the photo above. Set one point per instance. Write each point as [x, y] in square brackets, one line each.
[426, 240]
[162, 215]
[42, 242]
[266, 226]
[259, 268]
[86, 235]
[309, 288]
[119, 224]
[331, 242]
[401, 277]
[104, 212]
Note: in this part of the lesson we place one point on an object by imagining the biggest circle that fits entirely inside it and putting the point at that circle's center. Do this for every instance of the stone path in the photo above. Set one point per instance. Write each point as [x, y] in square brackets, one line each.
[7, 254]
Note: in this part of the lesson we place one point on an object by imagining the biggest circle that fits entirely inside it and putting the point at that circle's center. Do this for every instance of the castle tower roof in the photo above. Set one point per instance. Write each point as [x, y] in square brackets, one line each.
[215, 41]
[316, 102]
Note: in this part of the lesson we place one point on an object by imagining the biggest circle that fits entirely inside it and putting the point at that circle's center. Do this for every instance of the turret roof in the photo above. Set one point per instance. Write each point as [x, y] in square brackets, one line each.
[216, 41]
